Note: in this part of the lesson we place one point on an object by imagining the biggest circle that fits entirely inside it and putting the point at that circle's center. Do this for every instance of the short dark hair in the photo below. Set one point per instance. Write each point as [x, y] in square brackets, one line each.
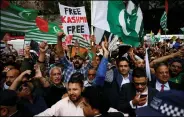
[122, 59]
[177, 60]
[77, 78]
[139, 72]
[159, 64]
[96, 98]
[100, 56]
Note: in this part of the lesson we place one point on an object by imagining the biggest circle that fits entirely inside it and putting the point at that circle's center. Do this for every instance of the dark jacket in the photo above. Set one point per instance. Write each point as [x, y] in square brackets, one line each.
[112, 89]
[128, 92]
[112, 114]
[53, 94]
[172, 85]
[34, 108]
[111, 85]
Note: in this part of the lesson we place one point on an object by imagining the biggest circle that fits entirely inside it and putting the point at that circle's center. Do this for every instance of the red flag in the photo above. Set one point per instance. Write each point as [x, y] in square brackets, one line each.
[166, 6]
[5, 4]
[42, 24]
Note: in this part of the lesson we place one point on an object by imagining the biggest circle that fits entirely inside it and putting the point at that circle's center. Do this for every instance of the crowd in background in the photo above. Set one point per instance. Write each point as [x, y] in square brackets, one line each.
[51, 83]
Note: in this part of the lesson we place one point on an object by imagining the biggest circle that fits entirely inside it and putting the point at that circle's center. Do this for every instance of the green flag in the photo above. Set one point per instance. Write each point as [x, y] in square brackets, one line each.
[50, 36]
[14, 18]
[163, 21]
[113, 17]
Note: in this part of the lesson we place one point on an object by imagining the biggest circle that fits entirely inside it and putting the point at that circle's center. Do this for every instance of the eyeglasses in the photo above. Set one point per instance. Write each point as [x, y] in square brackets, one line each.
[142, 84]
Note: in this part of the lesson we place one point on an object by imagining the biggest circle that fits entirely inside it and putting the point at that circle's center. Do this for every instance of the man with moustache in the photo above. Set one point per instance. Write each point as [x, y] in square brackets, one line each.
[69, 106]
[11, 75]
[90, 77]
[71, 67]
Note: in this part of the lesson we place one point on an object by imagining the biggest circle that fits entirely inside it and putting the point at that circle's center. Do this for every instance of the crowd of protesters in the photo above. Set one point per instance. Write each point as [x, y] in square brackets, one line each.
[51, 83]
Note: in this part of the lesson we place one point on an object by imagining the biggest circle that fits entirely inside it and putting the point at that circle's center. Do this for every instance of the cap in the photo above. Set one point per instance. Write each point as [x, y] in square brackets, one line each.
[8, 98]
[167, 103]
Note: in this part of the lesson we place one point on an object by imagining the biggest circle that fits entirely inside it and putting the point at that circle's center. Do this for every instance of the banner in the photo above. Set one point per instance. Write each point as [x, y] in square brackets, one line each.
[74, 20]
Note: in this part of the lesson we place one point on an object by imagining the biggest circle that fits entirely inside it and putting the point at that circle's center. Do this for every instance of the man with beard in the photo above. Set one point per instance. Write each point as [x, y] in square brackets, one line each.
[11, 75]
[175, 68]
[90, 78]
[136, 94]
[69, 67]
[69, 106]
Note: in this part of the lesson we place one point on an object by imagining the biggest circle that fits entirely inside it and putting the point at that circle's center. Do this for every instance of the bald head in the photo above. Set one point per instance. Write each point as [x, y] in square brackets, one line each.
[11, 75]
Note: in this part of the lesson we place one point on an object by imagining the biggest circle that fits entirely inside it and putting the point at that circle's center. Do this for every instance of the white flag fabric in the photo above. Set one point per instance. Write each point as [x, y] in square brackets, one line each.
[114, 17]
[148, 72]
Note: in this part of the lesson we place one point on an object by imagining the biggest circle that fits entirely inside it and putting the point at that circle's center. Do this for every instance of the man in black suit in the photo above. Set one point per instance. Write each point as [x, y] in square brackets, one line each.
[161, 81]
[95, 103]
[136, 94]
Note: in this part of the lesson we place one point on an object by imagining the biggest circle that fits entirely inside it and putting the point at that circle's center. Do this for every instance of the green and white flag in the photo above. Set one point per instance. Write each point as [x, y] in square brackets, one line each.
[14, 18]
[163, 21]
[39, 36]
[113, 17]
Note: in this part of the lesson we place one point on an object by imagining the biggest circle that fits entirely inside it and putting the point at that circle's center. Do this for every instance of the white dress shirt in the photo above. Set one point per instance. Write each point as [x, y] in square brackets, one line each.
[64, 107]
[125, 80]
[87, 84]
[144, 93]
[166, 86]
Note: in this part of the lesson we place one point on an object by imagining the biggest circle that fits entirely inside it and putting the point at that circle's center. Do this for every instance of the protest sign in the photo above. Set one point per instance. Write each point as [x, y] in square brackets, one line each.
[74, 20]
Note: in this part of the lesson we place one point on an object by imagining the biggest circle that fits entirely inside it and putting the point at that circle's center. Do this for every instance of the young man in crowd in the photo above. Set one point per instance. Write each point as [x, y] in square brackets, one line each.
[112, 84]
[71, 67]
[136, 94]
[69, 106]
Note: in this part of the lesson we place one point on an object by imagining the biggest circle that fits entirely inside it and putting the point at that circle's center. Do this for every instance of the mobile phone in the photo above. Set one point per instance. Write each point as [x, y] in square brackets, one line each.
[143, 96]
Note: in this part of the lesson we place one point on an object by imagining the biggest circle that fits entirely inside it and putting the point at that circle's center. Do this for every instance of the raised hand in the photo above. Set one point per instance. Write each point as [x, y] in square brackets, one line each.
[105, 47]
[43, 46]
[38, 73]
[59, 48]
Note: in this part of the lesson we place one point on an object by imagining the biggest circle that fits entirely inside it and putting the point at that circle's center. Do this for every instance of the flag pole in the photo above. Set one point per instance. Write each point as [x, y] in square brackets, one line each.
[92, 17]
[165, 39]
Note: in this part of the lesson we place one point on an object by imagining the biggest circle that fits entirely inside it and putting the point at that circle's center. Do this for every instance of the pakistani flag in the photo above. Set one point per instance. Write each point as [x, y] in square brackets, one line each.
[114, 17]
[14, 18]
[163, 21]
[158, 36]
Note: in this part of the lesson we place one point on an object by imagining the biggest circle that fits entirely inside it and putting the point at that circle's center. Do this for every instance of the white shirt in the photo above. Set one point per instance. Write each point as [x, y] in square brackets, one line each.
[146, 104]
[166, 86]
[87, 84]
[125, 80]
[64, 107]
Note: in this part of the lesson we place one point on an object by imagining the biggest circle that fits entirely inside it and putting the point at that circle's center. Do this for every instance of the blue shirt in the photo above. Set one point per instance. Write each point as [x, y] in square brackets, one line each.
[69, 69]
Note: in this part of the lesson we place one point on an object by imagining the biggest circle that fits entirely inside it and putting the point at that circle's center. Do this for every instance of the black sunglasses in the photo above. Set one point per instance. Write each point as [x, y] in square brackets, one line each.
[142, 84]
[23, 84]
